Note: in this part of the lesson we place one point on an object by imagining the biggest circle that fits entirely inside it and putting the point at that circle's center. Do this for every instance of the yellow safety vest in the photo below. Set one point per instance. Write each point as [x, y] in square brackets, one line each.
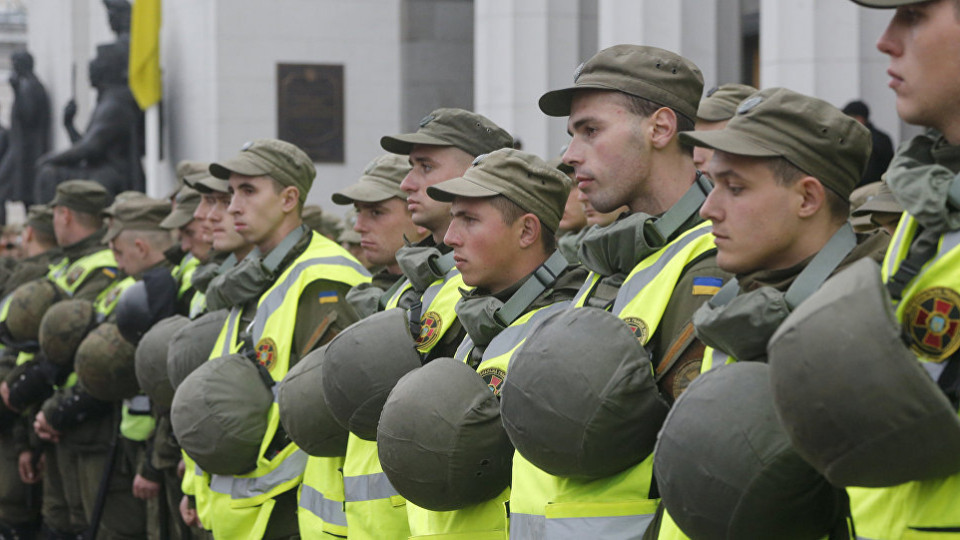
[929, 509]
[183, 273]
[240, 505]
[320, 499]
[70, 276]
[543, 506]
[487, 520]
[374, 509]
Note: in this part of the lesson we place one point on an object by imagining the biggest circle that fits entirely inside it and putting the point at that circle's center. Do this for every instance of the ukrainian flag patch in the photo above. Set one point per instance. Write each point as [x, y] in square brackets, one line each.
[707, 285]
[328, 297]
[110, 272]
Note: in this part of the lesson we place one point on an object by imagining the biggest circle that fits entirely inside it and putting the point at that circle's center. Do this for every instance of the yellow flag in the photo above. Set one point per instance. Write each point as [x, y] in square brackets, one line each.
[145, 53]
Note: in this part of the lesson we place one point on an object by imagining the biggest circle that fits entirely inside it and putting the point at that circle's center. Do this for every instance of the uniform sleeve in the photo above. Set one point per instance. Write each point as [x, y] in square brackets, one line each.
[323, 312]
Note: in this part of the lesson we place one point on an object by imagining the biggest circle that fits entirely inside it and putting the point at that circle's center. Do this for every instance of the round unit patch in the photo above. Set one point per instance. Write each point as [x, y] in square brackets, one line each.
[932, 318]
[494, 378]
[74, 275]
[639, 328]
[267, 353]
[430, 326]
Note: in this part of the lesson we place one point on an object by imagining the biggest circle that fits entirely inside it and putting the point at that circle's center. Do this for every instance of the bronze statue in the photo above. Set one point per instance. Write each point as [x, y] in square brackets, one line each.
[109, 151]
[29, 132]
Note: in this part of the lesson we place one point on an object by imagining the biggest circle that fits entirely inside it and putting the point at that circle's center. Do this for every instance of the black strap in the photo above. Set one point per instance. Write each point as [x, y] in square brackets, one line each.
[923, 249]
[543, 278]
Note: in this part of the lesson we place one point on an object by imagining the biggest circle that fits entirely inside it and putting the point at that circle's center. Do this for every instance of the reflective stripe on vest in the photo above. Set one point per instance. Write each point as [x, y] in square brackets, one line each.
[183, 273]
[329, 511]
[367, 487]
[107, 300]
[198, 304]
[440, 298]
[291, 467]
[394, 300]
[608, 527]
[713, 357]
[527, 526]
[136, 423]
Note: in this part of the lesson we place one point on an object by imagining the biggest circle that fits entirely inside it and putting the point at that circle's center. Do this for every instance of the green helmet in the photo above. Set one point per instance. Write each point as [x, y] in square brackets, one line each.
[304, 413]
[27, 306]
[63, 328]
[151, 359]
[853, 398]
[440, 439]
[725, 467]
[220, 415]
[191, 346]
[104, 364]
[362, 365]
[582, 407]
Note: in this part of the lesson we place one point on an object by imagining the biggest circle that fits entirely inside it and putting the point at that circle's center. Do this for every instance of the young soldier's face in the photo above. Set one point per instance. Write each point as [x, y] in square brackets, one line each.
[193, 240]
[608, 152]
[701, 154]
[432, 165]
[923, 42]
[256, 206]
[382, 226]
[484, 247]
[224, 237]
[754, 218]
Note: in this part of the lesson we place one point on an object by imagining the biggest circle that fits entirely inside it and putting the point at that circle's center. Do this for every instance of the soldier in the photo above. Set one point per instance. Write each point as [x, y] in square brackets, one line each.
[626, 109]
[193, 249]
[505, 211]
[292, 292]
[716, 109]
[442, 148]
[922, 41]
[383, 223]
[783, 170]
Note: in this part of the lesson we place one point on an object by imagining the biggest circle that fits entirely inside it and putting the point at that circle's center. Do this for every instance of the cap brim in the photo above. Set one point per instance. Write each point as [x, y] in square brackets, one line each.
[728, 141]
[113, 231]
[887, 4]
[243, 163]
[209, 184]
[447, 190]
[557, 102]
[176, 220]
[404, 143]
[366, 192]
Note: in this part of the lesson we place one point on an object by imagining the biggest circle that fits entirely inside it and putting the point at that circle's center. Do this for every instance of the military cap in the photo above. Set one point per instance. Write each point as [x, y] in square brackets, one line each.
[185, 204]
[325, 223]
[884, 4]
[280, 160]
[380, 181]
[40, 218]
[473, 133]
[196, 174]
[525, 179]
[84, 196]
[721, 102]
[881, 201]
[137, 214]
[808, 132]
[658, 75]
[121, 197]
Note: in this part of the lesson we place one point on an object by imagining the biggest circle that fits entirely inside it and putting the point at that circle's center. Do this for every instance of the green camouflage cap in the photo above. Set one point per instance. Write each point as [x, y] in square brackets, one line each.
[84, 196]
[280, 160]
[40, 218]
[525, 179]
[658, 75]
[121, 197]
[473, 133]
[196, 174]
[885, 4]
[105, 366]
[380, 181]
[325, 223]
[810, 133]
[721, 102]
[184, 205]
[137, 214]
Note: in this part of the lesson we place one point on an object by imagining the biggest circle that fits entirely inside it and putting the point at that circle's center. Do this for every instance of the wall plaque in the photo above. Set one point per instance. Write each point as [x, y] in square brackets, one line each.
[310, 109]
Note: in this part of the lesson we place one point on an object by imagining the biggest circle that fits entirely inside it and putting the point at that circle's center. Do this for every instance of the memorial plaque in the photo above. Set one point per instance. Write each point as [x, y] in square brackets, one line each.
[310, 109]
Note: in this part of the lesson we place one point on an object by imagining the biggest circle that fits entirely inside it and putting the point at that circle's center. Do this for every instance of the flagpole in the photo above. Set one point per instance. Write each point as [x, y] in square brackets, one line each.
[151, 169]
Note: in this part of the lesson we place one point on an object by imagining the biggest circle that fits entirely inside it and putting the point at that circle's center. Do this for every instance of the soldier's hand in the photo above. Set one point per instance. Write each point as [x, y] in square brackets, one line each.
[5, 394]
[44, 430]
[29, 474]
[189, 515]
[145, 489]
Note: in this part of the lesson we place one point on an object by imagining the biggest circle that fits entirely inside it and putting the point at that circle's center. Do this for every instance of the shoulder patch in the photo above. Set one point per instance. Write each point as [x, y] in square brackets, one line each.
[267, 353]
[706, 285]
[932, 318]
[430, 328]
[328, 297]
[494, 378]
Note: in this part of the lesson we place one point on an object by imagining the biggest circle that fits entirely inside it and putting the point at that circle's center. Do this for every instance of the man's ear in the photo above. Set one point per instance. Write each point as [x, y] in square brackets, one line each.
[814, 196]
[663, 127]
[290, 198]
[530, 230]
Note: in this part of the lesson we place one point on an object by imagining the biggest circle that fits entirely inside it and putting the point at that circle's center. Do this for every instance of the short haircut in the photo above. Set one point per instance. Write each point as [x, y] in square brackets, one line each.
[510, 212]
[46, 239]
[644, 108]
[86, 220]
[156, 239]
[787, 174]
[278, 187]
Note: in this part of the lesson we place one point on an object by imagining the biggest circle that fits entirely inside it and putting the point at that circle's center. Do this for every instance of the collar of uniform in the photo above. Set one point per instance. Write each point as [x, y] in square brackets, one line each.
[88, 245]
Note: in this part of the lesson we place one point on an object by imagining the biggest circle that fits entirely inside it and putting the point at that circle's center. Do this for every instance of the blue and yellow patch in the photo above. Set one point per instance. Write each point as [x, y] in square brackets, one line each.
[110, 272]
[328, 297]
[707, 285]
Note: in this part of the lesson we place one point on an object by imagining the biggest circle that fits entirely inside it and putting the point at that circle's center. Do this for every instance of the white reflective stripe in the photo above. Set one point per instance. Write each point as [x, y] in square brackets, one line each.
[513, 335]
[232, 322]
[719, 358]
[329, 511]
[276, 295]
[591, 281]
[463, 351]
[367, 487]
[221, 484]
[197, 470]
[934, 369]
[276, 390]
[430, 294]
[289, 468]
[526, 526]
[894, 248]
[138, 404]
[606, 527]
[641, 279]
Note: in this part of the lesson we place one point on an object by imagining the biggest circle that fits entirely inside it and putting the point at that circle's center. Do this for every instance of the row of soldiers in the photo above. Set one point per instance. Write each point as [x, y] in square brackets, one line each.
[726, 359]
